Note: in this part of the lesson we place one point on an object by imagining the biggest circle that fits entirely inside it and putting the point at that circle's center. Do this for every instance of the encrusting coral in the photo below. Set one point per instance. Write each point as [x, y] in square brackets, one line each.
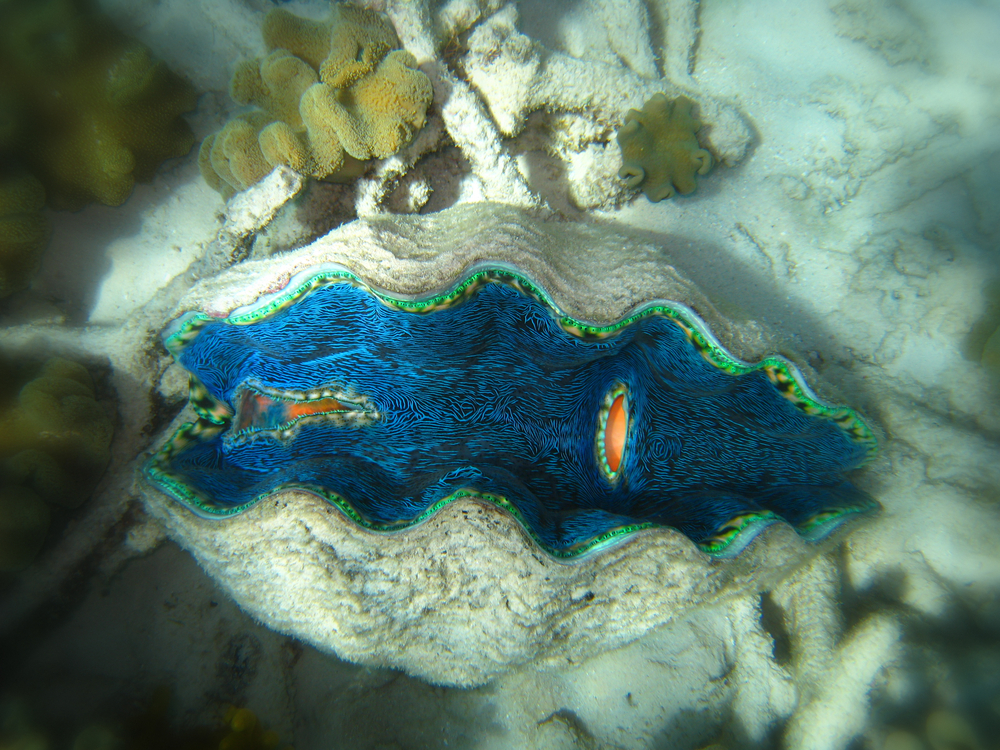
[84, 108]
[54, 445]
[660, 149]
[330, 95]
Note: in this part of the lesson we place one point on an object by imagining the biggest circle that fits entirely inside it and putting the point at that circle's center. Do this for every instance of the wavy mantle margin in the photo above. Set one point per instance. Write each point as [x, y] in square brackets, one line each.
[730, 540]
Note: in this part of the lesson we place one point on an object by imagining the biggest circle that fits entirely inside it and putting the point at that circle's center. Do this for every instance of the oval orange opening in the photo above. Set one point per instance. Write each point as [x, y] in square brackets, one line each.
[614, 433]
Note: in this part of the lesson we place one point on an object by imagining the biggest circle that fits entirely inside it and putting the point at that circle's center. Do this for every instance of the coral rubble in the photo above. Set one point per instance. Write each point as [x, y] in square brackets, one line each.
[328, 96]
[660, 149]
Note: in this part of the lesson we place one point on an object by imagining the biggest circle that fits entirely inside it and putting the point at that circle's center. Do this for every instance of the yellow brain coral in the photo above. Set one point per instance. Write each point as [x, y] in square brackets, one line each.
[330, 94]
[54, 445]
[84, 108]
[660, 149]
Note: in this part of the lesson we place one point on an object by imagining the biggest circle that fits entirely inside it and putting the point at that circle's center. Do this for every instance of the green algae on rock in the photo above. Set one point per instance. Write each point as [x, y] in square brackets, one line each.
[23, 229]
[142, 726]
[85, 109]
[329, 95]
[54, 446]
[660, 149]
[983, 342]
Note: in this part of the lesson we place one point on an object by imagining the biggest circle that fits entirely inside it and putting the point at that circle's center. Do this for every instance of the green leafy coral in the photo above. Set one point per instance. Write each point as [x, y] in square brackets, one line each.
[328, 96]
[660, 149]
[54, 445]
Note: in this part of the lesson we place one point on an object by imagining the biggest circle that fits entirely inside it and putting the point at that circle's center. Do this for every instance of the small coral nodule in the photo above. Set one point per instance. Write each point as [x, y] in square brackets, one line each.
[328, 96]
[660, 149]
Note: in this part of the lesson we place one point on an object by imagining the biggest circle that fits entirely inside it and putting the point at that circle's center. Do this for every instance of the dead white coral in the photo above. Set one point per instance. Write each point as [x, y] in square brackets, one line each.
[613, 33]
[821, 687]
[764, 690]
[834, 673]
[372, 190]
[465, 119]
[679, 21]
[517, 75]
[454, 17]
[599, 77]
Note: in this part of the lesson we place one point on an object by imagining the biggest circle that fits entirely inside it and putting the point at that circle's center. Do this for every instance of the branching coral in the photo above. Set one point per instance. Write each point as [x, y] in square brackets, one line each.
[464, 116]
[795, 669]
[517, 75]
[85, 108]
[832, 671]
[54, 446]
[329, 95]
[513, 76]
[660, 149]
